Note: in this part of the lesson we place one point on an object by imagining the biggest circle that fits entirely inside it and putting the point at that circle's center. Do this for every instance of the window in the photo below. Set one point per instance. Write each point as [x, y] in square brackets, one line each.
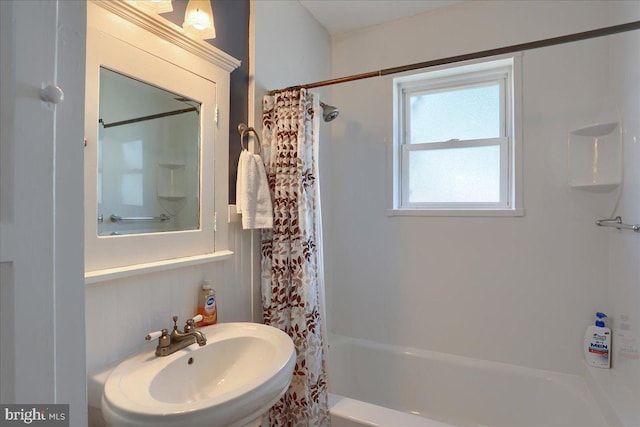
[455, 148]
[131, 184]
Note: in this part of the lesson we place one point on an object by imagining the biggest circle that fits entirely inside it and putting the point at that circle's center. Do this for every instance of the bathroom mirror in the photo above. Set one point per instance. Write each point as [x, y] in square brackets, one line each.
[148, 158]
[156, 148]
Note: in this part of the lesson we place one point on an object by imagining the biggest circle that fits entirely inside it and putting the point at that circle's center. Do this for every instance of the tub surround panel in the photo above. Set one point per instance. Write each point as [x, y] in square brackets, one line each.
[623, 292]
[462, 285]
[500, 289]
[611, 390]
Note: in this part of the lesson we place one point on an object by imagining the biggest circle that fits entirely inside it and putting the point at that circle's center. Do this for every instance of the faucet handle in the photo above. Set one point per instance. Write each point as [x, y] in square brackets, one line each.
[163, 336]
[175, 323]
[153, 335]
[190, 326]
[157, 334]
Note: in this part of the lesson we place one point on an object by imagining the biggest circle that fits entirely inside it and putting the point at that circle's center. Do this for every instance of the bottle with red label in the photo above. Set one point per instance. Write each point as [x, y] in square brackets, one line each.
[597, 343]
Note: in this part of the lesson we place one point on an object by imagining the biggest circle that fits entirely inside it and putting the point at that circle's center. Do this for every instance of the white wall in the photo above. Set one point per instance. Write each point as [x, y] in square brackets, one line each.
[290, 48]
[118, 312]
[41, 274]
[121, 312]
[142, 303]
[517, 290]
[624, 284]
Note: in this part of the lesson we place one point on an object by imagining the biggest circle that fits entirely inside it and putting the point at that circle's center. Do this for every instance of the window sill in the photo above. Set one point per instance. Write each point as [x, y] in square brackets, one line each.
[457, 212]
[97, 276]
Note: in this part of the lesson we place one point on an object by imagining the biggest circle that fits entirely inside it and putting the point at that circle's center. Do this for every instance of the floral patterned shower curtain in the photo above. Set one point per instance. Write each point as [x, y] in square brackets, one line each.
[292, 291]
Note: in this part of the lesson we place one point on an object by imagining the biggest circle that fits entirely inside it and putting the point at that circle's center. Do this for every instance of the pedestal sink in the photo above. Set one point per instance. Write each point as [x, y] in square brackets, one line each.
[231, 381]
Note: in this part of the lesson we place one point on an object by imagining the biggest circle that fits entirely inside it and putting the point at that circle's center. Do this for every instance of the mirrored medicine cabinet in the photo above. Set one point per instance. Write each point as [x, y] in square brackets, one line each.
[156, 149]
[148, 158]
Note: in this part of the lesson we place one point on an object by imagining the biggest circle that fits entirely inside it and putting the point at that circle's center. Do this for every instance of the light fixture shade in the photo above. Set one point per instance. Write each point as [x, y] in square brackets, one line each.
[155, 6]
[198, 19]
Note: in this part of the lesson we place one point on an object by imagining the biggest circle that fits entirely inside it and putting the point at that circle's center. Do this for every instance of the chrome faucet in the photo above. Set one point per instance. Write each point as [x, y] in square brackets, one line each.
[170, 343]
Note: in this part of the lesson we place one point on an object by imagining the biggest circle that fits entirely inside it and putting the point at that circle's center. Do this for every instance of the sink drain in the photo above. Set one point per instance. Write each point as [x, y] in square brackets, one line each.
[190, 361]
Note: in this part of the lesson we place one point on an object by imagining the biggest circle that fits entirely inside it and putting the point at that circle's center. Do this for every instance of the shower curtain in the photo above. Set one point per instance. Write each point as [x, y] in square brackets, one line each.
[292, 279]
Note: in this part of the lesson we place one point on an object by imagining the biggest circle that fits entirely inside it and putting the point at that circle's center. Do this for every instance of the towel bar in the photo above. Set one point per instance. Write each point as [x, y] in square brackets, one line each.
[118, 218]
[617, 223]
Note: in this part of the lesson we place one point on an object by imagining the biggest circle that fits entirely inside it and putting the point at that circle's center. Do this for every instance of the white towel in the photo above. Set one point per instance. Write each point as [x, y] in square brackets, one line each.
[253, 198]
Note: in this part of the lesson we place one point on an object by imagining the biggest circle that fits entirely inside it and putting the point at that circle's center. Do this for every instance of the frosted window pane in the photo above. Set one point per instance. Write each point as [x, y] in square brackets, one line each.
[471, 112]
[132, 155]
[455, 175]
[132, 189]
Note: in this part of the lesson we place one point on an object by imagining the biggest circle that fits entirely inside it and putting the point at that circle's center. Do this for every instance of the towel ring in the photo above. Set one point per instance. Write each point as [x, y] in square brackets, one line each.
[244, 129]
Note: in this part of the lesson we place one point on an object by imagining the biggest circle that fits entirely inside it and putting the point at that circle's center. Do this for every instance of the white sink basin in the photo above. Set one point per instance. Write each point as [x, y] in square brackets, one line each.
[237, 376]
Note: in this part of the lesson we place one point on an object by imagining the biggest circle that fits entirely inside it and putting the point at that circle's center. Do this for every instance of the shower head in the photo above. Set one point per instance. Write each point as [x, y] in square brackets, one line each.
[329, 112]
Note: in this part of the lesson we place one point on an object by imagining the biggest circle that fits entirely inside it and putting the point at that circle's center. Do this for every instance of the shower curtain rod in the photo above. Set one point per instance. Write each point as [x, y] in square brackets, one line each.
[145, 118]
[599, 32]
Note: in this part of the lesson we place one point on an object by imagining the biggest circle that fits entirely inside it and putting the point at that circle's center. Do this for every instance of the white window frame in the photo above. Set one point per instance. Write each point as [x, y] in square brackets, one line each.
[506, 72]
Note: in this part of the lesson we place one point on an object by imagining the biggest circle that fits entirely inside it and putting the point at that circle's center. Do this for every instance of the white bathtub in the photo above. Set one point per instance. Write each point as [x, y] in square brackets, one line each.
[367, 378]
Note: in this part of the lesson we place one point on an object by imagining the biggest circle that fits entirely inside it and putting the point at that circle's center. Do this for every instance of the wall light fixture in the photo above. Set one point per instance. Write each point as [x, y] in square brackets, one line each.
[198, 19]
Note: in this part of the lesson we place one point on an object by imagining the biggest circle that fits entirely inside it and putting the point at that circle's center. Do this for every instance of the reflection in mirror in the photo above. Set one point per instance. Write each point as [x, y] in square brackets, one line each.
[148, 158]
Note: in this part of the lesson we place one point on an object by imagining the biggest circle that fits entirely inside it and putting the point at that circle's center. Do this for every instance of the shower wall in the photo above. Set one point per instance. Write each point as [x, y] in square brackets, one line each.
[519, 290]
[623, 292]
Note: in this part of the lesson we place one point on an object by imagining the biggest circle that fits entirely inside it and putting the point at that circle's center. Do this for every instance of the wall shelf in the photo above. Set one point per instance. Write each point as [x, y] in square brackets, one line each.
[172, 181]
[171, 198]
[98, 276]
[600, 187]
[595, 157]
[172, 165]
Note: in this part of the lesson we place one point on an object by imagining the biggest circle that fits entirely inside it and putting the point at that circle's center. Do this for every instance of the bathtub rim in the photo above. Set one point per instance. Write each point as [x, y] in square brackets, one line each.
[587, 385]
[371, 415]
[616, 401]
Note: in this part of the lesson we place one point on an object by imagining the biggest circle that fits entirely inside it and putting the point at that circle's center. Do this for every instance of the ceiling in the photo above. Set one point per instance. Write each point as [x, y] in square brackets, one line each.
[341, 16]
